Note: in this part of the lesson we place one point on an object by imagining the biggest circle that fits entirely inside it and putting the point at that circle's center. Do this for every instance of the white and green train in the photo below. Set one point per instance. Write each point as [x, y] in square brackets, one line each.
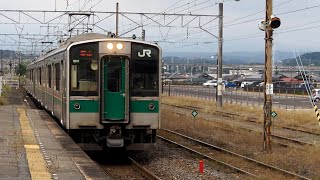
[102, 90]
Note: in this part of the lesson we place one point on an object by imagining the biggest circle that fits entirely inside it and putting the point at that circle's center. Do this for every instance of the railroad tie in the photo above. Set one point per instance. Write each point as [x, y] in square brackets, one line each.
[317, 113]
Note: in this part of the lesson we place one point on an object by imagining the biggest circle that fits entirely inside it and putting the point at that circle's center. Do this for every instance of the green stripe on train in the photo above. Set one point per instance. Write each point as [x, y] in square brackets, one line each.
[142, 106]
[86, 106]
[138, 106]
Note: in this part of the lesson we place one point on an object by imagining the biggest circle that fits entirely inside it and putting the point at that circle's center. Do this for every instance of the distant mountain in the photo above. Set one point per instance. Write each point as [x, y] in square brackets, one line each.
[312, 58]
[8, 54]
[228, 57]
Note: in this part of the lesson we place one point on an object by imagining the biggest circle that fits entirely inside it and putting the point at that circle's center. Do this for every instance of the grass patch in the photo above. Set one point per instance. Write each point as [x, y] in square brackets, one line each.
[303, 161]
[297, 118]
[4, 95]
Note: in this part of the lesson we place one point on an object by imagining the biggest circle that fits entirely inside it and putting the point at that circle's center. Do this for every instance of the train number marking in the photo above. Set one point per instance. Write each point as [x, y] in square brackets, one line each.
[144, 53]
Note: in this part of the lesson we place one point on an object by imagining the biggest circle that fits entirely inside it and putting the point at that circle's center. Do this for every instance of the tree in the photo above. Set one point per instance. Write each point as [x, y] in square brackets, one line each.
[21, 69]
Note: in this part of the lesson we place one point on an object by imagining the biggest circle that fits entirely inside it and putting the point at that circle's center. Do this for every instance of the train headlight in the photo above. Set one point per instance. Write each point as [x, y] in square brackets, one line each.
[76, 106]
[119, 46]
[152, 106]
[110, 46]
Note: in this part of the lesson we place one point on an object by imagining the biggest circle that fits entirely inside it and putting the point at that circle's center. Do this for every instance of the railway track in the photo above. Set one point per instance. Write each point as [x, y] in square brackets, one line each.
[129, 169]
[145, 172]
[286, 141]
[231, 159]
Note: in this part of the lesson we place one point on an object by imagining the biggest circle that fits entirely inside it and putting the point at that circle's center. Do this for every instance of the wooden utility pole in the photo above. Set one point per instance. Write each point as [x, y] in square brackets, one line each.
[219, 61]
[117, 20]
[268, 79]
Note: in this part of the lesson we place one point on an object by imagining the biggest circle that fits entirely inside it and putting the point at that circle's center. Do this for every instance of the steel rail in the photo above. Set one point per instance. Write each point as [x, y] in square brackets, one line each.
[145, 171]
[208, 157]
[237, 155]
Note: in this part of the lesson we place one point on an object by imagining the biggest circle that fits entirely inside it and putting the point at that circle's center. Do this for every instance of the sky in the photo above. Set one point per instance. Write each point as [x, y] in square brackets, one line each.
[299, 28]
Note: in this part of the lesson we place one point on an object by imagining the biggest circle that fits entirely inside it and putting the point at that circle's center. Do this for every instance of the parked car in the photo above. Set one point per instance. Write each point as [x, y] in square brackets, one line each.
[303, 86]
[230, 84]
[256, 83]
[315, 95]
[245, 83]
[209, 83]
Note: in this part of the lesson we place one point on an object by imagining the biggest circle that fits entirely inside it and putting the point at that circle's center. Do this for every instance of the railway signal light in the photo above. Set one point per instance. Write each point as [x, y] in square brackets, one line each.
[274, 22]
[263, 25]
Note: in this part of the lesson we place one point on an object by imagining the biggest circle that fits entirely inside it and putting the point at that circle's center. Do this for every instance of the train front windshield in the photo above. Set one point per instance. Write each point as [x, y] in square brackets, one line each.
[144, 70]
[84, 70]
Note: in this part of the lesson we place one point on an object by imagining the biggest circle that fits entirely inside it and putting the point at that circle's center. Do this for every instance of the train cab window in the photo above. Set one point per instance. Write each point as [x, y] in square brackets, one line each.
[49, 76]
[144, 80]
[84, 70]
[144, 70]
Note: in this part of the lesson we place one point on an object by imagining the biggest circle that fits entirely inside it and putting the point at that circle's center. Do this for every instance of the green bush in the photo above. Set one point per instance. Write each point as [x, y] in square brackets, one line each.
[5, 91]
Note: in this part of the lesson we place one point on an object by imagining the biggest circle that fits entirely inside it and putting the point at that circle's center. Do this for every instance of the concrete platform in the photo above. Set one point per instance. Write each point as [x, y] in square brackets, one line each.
[33, 146]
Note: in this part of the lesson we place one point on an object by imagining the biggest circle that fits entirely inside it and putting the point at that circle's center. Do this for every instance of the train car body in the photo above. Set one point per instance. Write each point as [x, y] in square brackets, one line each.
[102, 90]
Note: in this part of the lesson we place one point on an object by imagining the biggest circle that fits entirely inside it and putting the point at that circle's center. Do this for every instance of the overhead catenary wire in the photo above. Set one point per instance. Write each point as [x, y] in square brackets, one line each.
[188, 8]
[302, 73]
[191, 32]
[256, 19]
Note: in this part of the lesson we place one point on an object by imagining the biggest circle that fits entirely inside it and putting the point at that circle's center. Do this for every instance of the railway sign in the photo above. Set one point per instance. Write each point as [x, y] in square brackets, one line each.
[273, 114]
[269, 89]
[194, 113]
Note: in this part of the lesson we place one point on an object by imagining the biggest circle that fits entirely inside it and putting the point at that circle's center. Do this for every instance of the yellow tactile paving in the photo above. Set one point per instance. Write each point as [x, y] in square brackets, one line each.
[37, 165]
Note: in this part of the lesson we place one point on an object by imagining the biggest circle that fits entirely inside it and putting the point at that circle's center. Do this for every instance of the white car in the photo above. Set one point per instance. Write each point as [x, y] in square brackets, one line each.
[316, 95]
[245, 84]
[209, 83]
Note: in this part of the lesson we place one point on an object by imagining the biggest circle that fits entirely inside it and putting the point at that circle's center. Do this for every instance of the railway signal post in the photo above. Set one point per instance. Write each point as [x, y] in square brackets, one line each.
[271, 22]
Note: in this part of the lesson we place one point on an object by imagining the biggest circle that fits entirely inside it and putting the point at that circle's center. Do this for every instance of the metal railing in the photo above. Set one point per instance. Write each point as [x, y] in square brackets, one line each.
[11, 83]
[290, 99]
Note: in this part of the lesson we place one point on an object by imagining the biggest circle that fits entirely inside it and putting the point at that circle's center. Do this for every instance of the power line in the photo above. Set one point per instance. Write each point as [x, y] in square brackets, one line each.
[251, 20]
[175, 12]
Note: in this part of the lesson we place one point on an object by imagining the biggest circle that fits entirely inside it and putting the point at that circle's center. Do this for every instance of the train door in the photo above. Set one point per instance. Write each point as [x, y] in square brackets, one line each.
[113, 93]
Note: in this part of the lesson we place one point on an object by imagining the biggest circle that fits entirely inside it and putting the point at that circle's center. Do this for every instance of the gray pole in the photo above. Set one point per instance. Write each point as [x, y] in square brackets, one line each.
[117, 20]
[219, 61]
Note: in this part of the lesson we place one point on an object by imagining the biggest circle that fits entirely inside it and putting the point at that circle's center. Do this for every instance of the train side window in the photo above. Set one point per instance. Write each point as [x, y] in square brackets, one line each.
[40, 74]
[57, 76]
[36, 76]
[49, 75]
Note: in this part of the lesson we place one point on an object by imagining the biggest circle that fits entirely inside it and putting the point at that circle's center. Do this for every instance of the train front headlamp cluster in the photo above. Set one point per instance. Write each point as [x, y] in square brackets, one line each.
[119, 46]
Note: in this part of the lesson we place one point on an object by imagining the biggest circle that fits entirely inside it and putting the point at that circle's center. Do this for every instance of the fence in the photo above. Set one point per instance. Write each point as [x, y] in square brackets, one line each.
[11, 83]
[285, 99]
